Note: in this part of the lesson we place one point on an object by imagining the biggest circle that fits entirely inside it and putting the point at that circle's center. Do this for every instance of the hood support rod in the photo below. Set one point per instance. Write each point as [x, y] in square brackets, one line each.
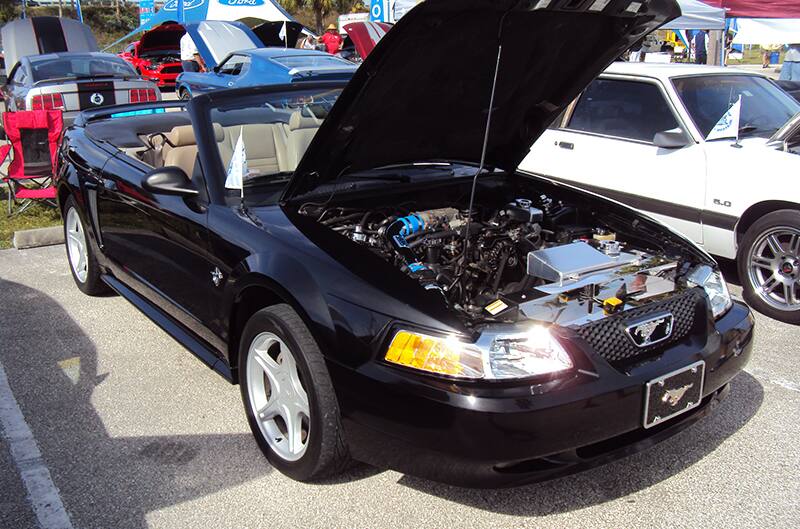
[485, 144]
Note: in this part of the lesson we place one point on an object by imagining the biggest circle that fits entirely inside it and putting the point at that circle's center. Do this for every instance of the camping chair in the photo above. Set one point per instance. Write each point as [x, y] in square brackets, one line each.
[33, 138]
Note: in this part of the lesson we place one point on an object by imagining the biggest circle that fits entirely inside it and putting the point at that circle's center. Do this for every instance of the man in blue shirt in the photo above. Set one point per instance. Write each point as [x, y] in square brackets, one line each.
[700, 49]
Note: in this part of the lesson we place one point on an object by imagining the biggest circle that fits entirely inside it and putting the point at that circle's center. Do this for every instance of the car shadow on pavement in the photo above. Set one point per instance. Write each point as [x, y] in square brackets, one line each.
[619, 478]
[104, 480]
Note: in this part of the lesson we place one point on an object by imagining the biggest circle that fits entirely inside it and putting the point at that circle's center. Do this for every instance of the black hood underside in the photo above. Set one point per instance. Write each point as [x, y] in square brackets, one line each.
[423, 93]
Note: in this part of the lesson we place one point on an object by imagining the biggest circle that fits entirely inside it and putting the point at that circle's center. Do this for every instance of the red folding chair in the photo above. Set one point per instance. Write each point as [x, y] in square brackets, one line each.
[33, 137]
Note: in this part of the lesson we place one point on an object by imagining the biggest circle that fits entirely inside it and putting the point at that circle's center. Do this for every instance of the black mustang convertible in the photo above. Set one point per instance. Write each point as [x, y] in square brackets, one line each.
[368, 264]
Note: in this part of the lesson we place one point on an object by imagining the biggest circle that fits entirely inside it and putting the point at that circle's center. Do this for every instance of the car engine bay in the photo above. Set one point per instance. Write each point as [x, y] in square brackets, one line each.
[532, 257]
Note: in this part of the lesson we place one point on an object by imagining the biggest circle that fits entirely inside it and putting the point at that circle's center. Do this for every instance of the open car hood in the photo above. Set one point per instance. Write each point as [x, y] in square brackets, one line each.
[165, 37]
[365, 35]
[786, 132]
[269, 33]
[423, 92]
[216, 39]
[41, 35]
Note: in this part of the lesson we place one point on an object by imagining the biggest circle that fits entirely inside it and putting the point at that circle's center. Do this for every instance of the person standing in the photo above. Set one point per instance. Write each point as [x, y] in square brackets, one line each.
[701, 47]
[791, 64]
[332, 40]
[190, 58]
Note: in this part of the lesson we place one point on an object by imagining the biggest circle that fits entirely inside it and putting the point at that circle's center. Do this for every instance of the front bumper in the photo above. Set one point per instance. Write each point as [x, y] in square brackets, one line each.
[161, 80]
[506, 436]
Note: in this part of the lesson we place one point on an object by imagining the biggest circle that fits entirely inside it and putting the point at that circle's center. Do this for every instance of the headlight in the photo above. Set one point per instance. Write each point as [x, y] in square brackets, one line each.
[526, 354]
[715, 286]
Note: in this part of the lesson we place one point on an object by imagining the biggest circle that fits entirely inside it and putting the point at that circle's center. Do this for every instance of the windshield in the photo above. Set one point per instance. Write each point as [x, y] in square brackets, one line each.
[765, 107]
[269, 133]
[311, 61]
[78, 67]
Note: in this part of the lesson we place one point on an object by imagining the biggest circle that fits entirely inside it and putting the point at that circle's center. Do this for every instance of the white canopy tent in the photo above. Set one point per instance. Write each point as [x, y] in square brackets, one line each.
[767, 31]
[697, 15]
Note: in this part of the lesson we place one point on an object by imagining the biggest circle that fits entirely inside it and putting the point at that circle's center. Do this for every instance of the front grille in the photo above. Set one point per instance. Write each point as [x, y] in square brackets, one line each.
[172, 69]
[608, 337]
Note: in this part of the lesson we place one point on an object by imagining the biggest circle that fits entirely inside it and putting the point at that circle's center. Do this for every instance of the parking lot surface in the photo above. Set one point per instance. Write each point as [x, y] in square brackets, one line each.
[135, 433]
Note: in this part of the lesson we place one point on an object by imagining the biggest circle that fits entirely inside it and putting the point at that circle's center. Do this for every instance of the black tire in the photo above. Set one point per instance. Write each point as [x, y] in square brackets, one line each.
[92, 285]
[326, 454]
[785, 218]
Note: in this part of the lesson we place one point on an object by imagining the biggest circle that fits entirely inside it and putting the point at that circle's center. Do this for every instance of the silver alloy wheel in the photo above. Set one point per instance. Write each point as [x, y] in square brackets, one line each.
[76, 246]
[773, 265]
[278, 399]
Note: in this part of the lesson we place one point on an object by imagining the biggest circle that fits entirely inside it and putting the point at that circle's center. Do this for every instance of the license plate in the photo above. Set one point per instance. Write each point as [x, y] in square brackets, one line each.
[673, 394]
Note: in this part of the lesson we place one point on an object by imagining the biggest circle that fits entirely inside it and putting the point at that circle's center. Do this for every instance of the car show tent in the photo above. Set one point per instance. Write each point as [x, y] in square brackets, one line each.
[697, 15]
[199, 10]
[767, 31]
[758, 8]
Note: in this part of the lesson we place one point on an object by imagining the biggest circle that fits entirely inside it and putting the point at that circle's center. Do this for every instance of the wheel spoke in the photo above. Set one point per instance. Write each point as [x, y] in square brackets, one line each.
[775, 245]
[270, 368]
[770, 284]
[81, 266]
[788, 294]
[794, 245]
[270, 410]
[294, 431]
[759, 261]
[74, 238]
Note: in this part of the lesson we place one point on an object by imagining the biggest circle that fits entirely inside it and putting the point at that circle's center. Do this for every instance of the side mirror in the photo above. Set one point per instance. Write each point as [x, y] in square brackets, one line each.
[671, 139]
[169, 181]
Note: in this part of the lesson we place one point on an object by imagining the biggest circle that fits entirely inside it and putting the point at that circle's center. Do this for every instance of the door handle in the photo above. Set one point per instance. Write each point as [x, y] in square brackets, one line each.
[566, 145]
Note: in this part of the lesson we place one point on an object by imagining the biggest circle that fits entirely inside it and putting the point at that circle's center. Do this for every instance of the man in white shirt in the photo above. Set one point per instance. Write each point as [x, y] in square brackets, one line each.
[790, 71]
[190, 58]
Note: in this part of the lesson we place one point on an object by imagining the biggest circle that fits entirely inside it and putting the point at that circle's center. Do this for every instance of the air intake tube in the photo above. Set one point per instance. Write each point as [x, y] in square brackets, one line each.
[397, 232]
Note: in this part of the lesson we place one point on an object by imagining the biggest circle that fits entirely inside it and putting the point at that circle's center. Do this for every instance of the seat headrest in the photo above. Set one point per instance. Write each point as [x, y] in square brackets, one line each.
[183, 135]
[298, 121]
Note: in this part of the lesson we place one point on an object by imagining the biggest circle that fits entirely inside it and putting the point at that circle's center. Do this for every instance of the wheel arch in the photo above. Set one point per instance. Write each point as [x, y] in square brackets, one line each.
[257, 292]
[755, 212]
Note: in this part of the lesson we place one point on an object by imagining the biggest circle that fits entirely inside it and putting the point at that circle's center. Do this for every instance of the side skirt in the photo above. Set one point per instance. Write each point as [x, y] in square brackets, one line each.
[171, 327]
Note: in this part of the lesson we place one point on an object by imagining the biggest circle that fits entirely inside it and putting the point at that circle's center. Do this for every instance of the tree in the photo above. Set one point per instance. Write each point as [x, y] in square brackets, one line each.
[321, 8]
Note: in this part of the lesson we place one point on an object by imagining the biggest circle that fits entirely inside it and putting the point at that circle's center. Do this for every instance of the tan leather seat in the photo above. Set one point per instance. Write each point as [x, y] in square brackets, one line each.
[301, 130]
[183, 151]
[264, 144]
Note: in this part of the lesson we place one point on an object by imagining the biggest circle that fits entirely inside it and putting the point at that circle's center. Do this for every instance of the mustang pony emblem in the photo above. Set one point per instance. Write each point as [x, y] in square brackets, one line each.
[651, 331]
[674, 396]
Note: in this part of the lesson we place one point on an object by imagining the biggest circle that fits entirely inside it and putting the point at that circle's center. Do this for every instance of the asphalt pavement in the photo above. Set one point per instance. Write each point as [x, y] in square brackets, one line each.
[134, 432]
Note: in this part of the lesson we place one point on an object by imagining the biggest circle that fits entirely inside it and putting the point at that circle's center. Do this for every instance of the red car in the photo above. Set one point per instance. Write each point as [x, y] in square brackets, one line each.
[157, 55]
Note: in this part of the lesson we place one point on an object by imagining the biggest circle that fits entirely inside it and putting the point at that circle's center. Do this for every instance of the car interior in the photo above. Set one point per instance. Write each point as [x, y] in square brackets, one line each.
[274, 139]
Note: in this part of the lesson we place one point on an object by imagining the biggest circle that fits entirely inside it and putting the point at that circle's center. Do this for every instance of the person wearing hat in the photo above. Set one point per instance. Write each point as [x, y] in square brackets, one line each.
[331, 39]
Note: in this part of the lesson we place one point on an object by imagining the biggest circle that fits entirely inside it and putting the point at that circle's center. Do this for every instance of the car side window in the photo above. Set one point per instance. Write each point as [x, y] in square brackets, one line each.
[235, 65]
[19, 76]
[632, 110]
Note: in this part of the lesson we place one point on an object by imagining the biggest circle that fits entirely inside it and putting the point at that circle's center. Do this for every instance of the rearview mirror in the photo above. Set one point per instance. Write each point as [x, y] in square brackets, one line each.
[671, 139]
[169, 181]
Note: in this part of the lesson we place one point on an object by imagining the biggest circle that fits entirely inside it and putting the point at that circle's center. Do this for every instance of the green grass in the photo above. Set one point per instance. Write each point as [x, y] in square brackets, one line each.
[36, 216]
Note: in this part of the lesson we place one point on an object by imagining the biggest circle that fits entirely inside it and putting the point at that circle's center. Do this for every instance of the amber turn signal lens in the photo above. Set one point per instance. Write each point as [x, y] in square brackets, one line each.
[443, 356]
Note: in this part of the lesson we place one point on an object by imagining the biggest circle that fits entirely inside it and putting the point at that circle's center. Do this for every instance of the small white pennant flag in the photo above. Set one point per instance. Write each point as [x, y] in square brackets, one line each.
[728, 124]
[282, 34]
[237, 168]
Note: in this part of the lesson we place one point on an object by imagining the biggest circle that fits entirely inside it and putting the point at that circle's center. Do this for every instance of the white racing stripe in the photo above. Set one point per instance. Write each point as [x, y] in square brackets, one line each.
[42, 493]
